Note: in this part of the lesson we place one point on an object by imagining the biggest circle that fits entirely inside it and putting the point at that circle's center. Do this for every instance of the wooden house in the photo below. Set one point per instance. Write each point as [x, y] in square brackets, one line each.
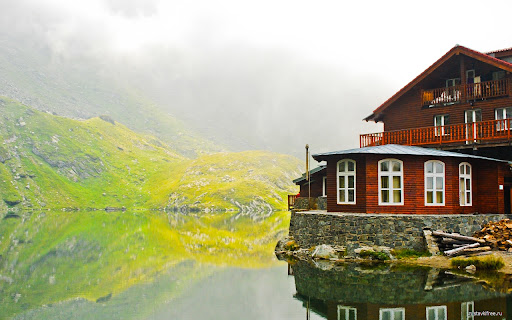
[414, 180]
[462, 102]
[315, 187]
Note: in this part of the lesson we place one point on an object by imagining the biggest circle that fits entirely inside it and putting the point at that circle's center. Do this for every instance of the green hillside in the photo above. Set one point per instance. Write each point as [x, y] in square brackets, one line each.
[47, 161]
[81, 87]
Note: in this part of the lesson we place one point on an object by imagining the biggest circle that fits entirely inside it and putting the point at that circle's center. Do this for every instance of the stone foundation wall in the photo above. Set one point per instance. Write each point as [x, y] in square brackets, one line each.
[319, 203]
[353, 230]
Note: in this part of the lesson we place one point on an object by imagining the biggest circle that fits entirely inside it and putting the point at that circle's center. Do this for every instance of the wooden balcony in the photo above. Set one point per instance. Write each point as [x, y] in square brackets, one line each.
[465, 92]
[493, 132]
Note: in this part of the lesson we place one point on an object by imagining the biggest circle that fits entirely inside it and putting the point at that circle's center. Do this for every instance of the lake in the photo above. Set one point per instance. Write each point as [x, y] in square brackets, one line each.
[156, 265]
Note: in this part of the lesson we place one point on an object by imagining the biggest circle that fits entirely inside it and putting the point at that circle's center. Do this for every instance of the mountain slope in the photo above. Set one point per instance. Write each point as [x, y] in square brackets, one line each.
[48, 161]
[82, 87]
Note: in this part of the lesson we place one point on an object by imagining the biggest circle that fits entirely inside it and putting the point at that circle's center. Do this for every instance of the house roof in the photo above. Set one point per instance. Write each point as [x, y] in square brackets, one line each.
[312, 171]
[395, 149]
[375, 116]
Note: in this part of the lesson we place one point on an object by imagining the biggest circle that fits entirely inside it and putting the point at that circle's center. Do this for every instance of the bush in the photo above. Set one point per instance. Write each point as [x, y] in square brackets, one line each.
[409, 253]
[291, 245]
[367, 254]
[481, 263]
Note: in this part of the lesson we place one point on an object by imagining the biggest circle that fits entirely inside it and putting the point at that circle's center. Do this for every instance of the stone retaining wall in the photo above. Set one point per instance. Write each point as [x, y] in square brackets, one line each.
[353, 230]
[319, 203]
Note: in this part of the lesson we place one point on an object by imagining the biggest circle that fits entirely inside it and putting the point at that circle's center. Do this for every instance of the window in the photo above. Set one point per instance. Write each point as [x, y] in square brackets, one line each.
[470, 75]
[391, 182]
[324, 186]
[497, 75]
[502, 114]
[471, 117]
[434, 183]
[346, 181]
[465, 184]
[436, 313]
[452, 82]
[466, 310]
[347, 313]
[392, 314]
[441, 121]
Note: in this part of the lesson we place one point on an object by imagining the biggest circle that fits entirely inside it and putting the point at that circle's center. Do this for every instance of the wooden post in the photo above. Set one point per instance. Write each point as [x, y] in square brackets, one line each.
[307, 176]
[463, 79]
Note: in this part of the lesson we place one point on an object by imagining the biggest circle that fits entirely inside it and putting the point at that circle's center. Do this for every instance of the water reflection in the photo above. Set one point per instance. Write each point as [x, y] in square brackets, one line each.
[358, 292]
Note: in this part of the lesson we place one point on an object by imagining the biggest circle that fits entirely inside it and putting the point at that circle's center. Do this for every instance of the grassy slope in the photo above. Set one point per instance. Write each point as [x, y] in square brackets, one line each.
[56, 162]
[83, 88]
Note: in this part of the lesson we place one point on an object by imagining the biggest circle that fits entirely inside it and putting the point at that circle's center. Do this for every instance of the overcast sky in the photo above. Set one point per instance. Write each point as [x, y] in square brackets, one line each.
[343, 58]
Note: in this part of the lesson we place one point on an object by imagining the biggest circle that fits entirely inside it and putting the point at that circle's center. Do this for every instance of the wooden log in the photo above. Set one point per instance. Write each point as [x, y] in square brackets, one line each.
[478, 249]
[454, 251]
[457, 236]
[453, 241]
[509, 242]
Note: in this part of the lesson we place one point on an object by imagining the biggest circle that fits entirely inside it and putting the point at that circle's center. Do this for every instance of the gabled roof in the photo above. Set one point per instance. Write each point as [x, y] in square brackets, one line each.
[312, 171]
[454, 51]
[395, 149]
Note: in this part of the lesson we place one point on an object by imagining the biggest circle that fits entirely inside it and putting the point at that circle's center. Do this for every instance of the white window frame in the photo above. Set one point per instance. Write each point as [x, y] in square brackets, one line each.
[391, 189]
[465, 309]
[346, 310]
[465, 176]
[346, 175]
[503, 114]
[324, 186]
[437, 308]
[434, 176]
[444, 121]
[471, 126]
[392, 311]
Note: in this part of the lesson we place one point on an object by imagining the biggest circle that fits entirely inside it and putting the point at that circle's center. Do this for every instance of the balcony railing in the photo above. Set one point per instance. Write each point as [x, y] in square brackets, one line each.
[493, 131]
[465, 92]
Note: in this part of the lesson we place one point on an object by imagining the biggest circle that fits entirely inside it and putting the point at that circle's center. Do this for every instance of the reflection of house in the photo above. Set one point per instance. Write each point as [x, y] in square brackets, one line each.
[351, 292]
[461, 101]
[406, 179]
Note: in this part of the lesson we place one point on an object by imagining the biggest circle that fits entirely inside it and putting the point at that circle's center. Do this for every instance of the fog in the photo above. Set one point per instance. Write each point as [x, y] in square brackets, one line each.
[271, 75]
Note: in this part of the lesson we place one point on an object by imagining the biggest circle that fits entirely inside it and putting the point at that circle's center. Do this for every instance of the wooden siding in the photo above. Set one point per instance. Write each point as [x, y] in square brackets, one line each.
[316, 185]
[486, 178]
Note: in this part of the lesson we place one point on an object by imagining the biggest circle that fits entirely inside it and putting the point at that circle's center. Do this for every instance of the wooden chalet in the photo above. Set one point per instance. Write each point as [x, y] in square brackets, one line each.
[414, 180]
[315, 187]
[462, 102]
[445, 149]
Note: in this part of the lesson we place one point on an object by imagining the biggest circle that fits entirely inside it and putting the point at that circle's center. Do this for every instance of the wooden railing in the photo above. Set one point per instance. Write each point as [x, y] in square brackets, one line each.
[291, 201]
[456, 134]
[466, 92]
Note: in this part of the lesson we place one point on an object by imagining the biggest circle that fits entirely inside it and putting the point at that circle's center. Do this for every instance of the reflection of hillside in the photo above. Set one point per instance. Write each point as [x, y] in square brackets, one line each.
[354, 292]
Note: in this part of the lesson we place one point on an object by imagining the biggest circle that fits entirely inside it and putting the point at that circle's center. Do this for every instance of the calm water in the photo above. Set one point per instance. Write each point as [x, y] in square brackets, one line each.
[147, 265]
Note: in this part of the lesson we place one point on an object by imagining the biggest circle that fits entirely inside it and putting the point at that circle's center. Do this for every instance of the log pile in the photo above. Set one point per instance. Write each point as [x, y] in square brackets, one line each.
[493, 236]
[498, 234]
[454, 244]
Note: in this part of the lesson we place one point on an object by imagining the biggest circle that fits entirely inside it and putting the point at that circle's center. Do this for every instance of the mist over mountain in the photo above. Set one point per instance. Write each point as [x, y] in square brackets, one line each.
[218, 96]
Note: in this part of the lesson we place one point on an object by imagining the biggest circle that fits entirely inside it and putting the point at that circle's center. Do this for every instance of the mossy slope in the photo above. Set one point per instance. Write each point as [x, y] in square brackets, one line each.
[48, 161]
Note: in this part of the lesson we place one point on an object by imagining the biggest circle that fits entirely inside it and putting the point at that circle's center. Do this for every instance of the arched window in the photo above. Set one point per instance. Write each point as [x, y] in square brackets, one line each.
[465, 195]
[434, 183]
[391, 176]
[346, 169]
